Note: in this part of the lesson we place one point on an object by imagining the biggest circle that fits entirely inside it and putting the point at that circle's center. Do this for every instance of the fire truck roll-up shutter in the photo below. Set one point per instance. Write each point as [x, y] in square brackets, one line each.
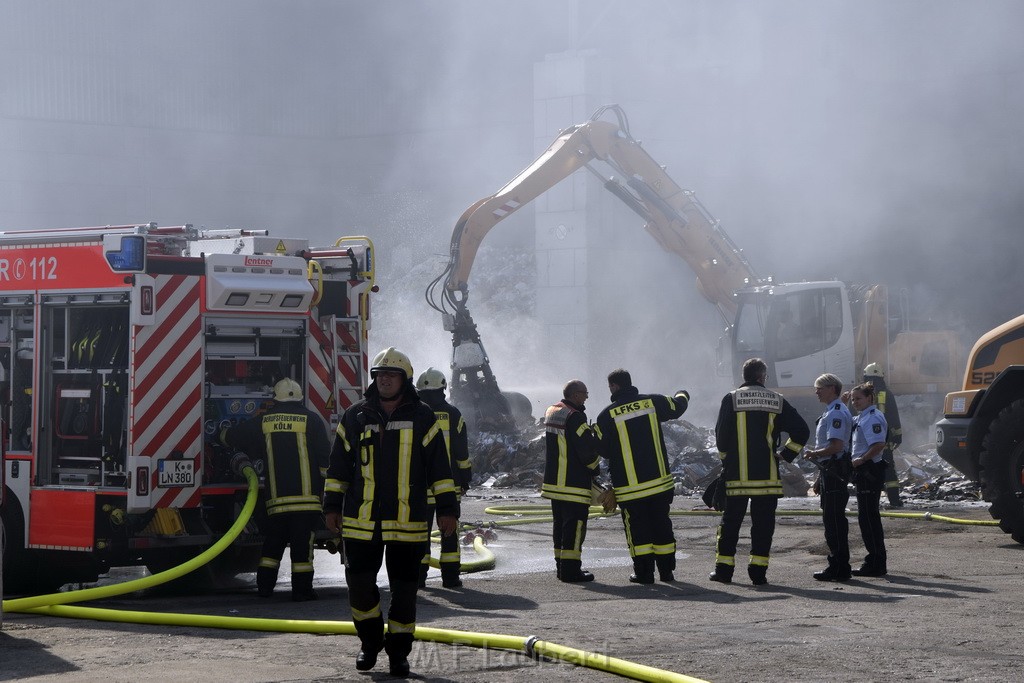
[238, 282]
[165, 402]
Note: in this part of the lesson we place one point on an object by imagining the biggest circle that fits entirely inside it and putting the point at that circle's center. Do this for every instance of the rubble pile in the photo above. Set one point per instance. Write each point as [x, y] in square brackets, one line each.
[925, 476]
[517, 461]
[504, 461]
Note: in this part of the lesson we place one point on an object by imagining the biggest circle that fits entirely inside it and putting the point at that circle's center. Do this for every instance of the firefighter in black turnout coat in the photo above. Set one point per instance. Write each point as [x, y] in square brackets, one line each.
[388, 451]
[431, 386]
[571, 462]
[751, 421]
[631, 440]
[293, 443]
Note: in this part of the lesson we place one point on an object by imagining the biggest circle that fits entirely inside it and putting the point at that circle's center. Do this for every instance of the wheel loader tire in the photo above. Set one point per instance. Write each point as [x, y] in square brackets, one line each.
[1000, 465]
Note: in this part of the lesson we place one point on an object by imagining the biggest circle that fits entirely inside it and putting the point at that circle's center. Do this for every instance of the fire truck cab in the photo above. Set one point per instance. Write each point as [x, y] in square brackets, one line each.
[123, 352]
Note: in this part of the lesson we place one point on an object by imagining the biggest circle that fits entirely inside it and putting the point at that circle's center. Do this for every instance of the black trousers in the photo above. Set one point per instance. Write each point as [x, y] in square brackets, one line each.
[649, 533]
[294, 529]
[762, 528]
[568, 531]
[363, 560]
[892, 480]
[451, 552]
[870, 479]
[835, 494]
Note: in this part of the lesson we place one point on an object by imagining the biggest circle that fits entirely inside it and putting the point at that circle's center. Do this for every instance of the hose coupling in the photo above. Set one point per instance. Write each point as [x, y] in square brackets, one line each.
[528, 647]
[239, 461]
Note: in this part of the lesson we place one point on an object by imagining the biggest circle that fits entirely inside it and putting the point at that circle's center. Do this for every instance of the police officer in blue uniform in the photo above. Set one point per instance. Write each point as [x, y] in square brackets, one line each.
[869, 439]
[885, 401]
[831, 454]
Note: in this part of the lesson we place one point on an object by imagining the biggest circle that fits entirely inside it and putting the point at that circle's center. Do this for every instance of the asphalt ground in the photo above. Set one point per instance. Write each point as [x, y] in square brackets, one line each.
[949, 610]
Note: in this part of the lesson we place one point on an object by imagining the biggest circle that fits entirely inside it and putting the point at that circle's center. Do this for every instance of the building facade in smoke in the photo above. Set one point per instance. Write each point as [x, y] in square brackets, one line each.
[890, 128]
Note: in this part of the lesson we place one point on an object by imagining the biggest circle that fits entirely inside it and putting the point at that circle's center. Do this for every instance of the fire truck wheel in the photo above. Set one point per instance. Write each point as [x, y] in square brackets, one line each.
[1001, 464]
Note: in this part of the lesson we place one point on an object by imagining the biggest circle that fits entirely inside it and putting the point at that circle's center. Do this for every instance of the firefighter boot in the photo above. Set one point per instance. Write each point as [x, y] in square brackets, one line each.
[302, 587]
[371, 638]
[666, 567]
[643, 570]
[398, 647]
[571, 571]
[722, 573]
[266, 579]
[894, 497]
[758, 574]
[450, 575]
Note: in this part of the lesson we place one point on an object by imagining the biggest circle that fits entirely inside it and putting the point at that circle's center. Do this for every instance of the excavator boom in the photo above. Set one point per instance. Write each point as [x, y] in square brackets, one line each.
[672, 215]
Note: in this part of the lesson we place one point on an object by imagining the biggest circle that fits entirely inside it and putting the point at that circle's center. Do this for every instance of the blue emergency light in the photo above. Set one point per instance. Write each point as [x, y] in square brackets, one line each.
[131, 257]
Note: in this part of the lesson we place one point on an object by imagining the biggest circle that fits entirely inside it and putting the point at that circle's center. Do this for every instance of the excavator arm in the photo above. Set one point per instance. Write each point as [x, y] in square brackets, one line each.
[672, 215]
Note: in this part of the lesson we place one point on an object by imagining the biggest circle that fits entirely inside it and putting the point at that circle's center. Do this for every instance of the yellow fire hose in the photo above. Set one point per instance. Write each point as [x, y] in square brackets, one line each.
[25, 604]
[530, 513]
[55, 604]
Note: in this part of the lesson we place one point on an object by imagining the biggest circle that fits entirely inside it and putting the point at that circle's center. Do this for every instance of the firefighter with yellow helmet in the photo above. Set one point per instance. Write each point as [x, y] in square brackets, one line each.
[292, 441]
[431, 386]
[388, 453]
[885, 401]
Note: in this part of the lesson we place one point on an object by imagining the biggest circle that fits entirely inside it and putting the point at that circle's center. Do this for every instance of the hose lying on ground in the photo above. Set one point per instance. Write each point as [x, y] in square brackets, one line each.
[531, 513]
[55, 604]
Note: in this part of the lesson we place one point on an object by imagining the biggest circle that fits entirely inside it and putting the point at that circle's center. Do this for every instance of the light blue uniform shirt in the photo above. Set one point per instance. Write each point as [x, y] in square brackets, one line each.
[835, 423]
[869, 428]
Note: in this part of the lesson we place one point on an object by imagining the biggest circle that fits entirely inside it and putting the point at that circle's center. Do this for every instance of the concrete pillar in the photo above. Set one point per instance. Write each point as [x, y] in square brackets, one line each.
[567, 89]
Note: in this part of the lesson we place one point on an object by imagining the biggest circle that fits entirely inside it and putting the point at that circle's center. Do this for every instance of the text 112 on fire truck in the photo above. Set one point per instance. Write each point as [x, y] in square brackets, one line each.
[124, 350]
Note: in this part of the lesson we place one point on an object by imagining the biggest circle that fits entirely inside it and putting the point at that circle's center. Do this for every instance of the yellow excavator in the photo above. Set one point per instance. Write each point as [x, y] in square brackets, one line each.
[800, 329]
[982, 432]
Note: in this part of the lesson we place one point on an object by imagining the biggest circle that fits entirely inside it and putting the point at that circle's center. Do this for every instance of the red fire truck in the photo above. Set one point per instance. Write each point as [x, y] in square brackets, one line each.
[124, 350]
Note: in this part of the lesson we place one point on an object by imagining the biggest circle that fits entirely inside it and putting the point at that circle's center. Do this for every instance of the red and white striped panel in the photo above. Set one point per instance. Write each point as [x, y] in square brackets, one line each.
[321, 377]
[350, 385]
[167, 380]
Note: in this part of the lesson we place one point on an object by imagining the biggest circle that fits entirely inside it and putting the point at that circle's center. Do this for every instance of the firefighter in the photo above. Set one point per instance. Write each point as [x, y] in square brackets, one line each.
[831, 453]
[631, 439]
[869, 434]
[389, 450]
[885, 401]
[431, 386]
[751, 421]
[571, 463]
[293, 442]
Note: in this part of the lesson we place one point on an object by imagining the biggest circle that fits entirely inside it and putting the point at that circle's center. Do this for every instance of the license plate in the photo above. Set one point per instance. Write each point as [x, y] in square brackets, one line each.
[173, 473]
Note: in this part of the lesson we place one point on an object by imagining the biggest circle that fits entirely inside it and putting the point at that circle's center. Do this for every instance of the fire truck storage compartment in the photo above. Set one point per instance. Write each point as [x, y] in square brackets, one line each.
[17, 351]
[84, 380]
[245, 357]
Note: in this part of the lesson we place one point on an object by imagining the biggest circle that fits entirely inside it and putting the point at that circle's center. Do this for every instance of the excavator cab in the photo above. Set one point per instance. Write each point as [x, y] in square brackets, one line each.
[801, 330]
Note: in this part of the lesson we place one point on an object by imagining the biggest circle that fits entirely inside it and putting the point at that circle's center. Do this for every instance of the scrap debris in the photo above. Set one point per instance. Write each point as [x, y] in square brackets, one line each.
[517, 461]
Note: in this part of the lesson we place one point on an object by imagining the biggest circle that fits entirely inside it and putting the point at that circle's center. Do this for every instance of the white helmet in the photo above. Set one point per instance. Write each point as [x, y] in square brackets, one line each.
[391, 359]
[874, 370]
[287, 390]
[432, 378]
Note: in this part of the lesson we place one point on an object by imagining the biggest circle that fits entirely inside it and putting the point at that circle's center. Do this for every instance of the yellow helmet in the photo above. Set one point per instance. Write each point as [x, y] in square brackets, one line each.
[287, 390]
[874, 370]
[391, 359]
[431, 379]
